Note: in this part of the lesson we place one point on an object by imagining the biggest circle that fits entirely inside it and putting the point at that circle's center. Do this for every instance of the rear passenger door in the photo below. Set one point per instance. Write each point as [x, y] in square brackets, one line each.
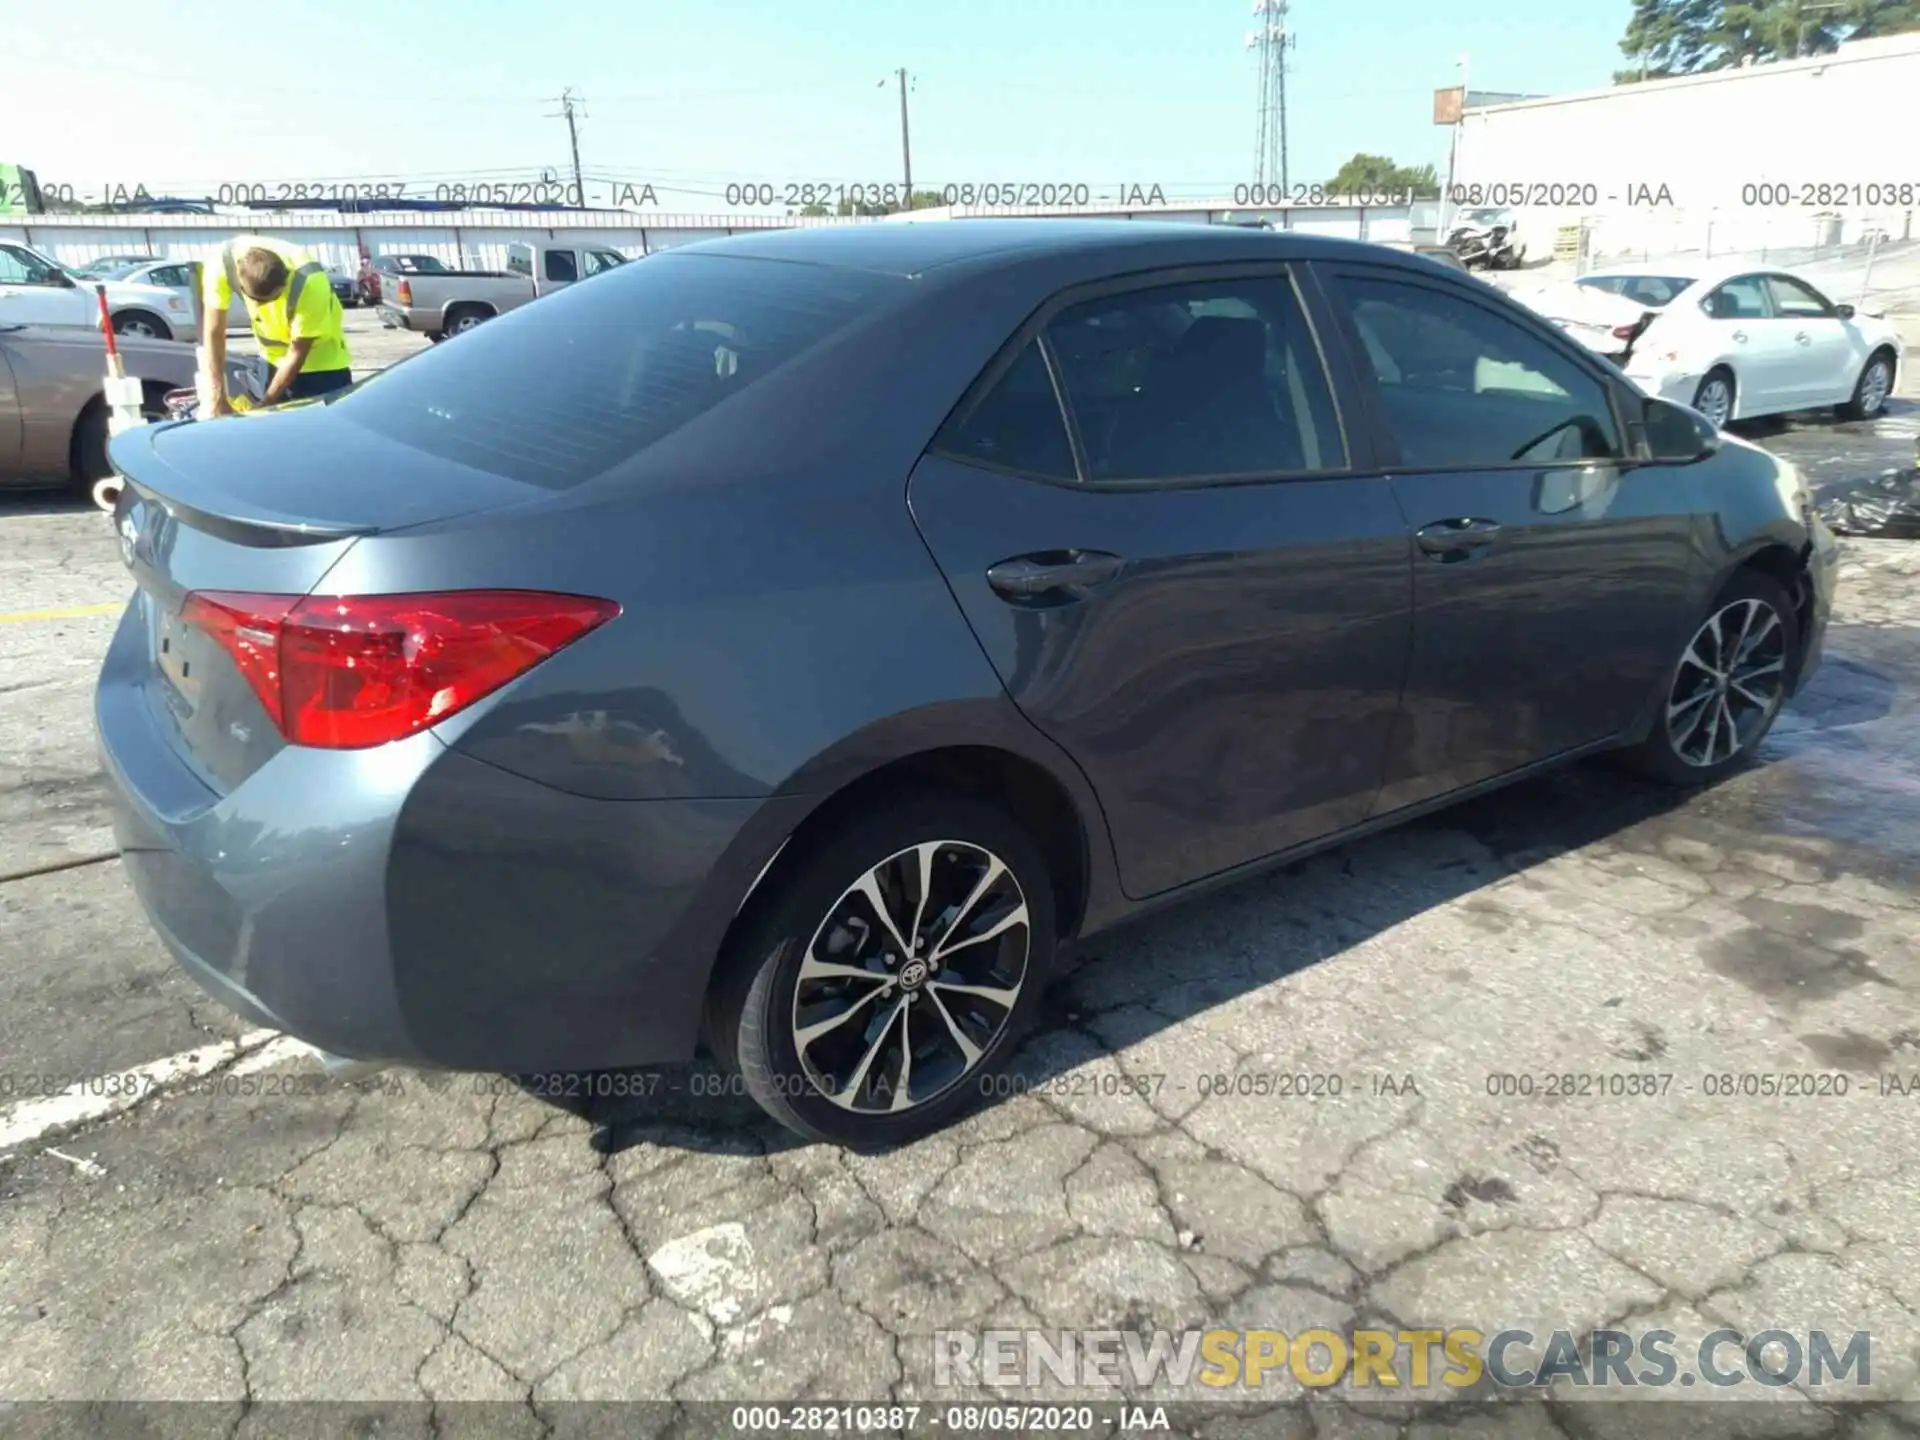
[1550, 573]
[1149, 511]
[1761, 349]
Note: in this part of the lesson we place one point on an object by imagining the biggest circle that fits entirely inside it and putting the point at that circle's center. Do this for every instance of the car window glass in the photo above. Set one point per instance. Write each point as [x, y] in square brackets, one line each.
[1654, 290]
[1612, 284]
[521, 263]
[1214, 378]
[1464, 386]
[560, 266]
[20, 267]
[1741, 299]
[1794, 299]
[598, 260]
[560, 392]
[1017, 425]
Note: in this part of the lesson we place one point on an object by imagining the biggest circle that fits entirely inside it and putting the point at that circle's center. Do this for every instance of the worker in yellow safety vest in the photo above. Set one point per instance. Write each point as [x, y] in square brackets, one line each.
[296, 318]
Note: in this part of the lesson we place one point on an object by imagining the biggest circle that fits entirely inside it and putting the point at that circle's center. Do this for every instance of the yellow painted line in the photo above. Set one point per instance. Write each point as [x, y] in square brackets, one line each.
[72, 612]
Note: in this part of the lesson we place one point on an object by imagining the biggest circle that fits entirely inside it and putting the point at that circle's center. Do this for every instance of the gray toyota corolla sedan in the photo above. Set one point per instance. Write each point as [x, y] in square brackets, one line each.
[797, 639]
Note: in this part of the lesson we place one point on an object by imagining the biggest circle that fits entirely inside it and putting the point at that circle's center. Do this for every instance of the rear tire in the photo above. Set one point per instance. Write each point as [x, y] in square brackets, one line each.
[87, 461]
[142, 322]
[1706, 728]
[837, 1056]
[1720, 391]
[464, 319]
[87, 452]
[1870, 391]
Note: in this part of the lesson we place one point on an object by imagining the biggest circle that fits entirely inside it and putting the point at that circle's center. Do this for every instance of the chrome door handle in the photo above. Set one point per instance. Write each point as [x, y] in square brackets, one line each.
[1454, 539]
[1803, 338]
[1029, 577]
[1740, 336]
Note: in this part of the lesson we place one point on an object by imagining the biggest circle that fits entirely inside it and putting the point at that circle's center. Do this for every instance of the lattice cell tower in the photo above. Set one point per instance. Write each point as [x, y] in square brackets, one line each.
[1270, 39]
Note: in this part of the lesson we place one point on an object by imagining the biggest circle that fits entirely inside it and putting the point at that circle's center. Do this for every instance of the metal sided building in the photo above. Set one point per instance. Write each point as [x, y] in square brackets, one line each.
[1800, 152]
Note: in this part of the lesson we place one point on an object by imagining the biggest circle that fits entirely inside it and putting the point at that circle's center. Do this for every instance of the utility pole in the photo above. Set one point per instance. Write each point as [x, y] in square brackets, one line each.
[901, 78]
[1453, 151]
[568, 100]
[906, 150]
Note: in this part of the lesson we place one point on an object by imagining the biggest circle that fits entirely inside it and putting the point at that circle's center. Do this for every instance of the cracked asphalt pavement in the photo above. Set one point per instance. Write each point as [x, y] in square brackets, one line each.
[245, 1234]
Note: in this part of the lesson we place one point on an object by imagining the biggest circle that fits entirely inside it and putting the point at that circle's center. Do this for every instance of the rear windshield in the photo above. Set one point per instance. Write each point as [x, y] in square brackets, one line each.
[1652, 290]
[564, 388]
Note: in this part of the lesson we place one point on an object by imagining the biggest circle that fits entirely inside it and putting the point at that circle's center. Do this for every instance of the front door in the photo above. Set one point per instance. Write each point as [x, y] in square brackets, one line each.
[33, 292]
[1188, 586]
[1548, 572]
[1827, 365]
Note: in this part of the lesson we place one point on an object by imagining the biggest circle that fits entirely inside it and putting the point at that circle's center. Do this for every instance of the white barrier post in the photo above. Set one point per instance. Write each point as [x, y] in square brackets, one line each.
[124, 395]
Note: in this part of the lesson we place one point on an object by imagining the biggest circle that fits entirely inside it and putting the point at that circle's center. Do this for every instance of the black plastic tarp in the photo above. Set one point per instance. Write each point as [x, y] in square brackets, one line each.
[1886, 507]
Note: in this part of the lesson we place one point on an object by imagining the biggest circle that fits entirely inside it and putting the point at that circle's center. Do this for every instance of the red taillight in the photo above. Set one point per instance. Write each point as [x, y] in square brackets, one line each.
[344, 672]
[1625, 332]
[404, 293]
[248, 629]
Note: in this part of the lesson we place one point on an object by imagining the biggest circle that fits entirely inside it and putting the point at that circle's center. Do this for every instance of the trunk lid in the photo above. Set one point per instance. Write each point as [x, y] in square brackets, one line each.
[263, 505]
[1590, 316]
[301, 471]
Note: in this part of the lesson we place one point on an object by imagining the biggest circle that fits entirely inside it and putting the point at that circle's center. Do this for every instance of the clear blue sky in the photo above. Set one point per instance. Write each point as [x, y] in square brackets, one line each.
[693, 94]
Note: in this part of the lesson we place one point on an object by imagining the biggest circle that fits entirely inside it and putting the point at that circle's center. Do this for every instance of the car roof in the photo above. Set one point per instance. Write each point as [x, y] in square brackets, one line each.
[914, 247]
[1712, 273]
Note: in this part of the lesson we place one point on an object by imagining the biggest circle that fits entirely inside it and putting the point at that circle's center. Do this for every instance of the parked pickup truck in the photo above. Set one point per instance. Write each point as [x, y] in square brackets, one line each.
[446, 302]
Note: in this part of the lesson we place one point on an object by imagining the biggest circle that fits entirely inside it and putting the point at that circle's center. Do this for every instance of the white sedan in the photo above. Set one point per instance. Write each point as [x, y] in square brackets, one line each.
[35, 290]
[177, 276]
[1733, 342]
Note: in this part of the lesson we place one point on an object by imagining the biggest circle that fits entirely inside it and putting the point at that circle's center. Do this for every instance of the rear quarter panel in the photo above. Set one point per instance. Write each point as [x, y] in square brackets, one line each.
[784, 632]
[1748, 502]
[777, 599]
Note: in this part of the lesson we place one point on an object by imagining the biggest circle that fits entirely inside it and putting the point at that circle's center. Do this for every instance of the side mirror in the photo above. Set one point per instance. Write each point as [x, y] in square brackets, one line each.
[1677, 434]
[1845, 312]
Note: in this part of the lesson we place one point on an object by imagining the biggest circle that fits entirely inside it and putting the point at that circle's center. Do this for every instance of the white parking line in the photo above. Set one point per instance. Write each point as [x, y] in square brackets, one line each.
[104, 1095]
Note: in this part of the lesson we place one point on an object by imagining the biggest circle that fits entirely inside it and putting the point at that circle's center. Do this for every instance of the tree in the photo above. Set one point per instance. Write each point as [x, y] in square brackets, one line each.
[1685, 37]
[1376, 174]
[1668, 37]
[1890, 17]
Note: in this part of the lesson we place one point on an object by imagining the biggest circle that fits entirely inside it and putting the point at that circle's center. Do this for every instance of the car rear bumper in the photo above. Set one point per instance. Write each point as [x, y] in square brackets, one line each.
[394, 318]
[1676, 385]
[410, 904]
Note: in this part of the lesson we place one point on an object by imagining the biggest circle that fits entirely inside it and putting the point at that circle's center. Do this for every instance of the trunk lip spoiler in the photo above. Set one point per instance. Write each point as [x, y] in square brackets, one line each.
[255, 527]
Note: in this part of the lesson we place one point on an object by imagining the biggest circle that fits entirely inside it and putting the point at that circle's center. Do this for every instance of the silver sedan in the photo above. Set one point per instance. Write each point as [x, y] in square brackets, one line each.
[53, 410]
